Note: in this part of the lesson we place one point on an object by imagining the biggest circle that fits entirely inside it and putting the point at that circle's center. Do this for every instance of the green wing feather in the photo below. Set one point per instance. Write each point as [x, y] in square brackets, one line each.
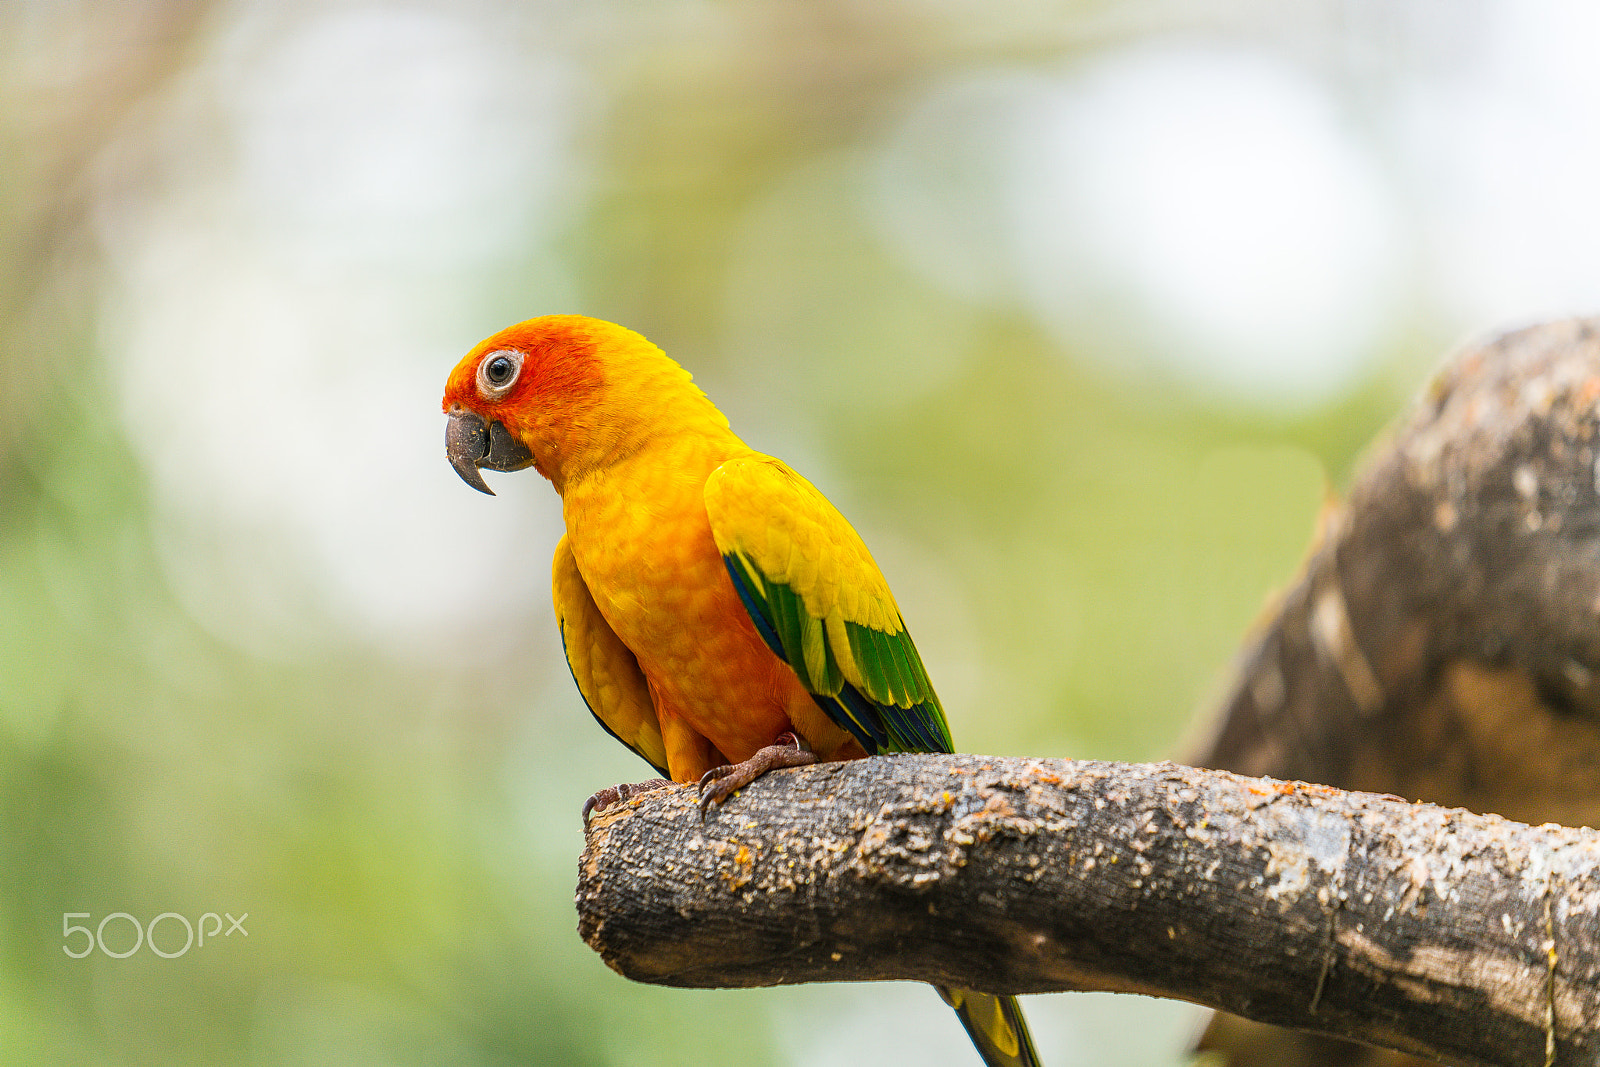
[820, 602]
[605, 669]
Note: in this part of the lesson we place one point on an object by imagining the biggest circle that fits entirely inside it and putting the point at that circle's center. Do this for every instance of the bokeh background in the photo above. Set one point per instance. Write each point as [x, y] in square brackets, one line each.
[1077, 309]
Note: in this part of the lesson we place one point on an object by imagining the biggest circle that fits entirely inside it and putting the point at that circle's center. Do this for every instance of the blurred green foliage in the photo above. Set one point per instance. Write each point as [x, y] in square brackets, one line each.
[1086, 554]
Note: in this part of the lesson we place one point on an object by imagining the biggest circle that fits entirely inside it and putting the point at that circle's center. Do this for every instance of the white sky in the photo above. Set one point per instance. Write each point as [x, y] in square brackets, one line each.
[334, 195]
[1257, 222]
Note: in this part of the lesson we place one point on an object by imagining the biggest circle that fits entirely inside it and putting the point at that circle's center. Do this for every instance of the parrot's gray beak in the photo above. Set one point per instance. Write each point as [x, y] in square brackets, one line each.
[472, 443]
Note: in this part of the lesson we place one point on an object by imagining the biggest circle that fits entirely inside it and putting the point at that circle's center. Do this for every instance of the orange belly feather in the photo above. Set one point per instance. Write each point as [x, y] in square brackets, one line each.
[643, 544]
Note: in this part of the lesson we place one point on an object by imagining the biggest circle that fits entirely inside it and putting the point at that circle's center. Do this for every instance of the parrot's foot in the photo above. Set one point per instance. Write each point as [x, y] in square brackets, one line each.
[721, 782]
[615, 794]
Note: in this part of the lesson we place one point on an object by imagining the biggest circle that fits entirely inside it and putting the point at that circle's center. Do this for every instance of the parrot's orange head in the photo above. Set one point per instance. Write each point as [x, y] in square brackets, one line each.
[562, 393]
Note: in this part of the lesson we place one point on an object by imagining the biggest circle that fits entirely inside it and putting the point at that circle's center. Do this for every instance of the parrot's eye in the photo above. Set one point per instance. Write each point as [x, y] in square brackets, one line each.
[498, 373]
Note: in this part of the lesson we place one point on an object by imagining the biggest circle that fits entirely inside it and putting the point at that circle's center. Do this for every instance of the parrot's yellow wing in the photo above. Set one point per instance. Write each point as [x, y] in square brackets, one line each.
[607, 673]
[822, 605]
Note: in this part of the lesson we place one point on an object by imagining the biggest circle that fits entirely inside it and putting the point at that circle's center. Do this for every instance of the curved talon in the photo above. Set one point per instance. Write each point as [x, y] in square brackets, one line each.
[787, 750]
[613, 794]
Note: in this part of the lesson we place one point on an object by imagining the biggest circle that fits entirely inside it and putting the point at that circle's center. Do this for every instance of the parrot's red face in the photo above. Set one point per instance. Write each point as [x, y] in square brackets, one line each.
[472, 441]
[514, 392]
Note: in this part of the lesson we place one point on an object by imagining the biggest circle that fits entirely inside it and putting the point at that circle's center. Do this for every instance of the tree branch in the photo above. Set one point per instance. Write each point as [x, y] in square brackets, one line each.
[1443, 641]
[1434, 931]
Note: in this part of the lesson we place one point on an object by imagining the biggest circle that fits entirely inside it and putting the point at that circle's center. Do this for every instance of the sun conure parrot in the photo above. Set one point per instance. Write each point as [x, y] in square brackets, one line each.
[720, 617]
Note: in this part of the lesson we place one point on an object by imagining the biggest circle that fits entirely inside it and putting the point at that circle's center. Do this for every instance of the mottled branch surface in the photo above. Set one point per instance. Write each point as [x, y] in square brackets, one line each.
[1443, 640]
[1426, 929]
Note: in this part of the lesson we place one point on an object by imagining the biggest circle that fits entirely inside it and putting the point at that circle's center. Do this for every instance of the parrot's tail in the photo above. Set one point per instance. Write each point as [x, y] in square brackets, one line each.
[995, 1025]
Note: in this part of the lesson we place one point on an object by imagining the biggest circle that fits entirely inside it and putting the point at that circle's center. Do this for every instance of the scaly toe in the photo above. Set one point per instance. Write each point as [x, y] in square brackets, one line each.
[717, 784]
[615, 794]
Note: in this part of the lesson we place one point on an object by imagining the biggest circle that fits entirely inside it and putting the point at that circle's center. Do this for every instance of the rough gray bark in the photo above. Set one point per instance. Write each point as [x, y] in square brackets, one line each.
[1443, 640]
[1435, 931]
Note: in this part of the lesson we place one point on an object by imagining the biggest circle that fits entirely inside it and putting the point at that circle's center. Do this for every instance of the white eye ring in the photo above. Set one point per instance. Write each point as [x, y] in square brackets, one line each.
[498, 372]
